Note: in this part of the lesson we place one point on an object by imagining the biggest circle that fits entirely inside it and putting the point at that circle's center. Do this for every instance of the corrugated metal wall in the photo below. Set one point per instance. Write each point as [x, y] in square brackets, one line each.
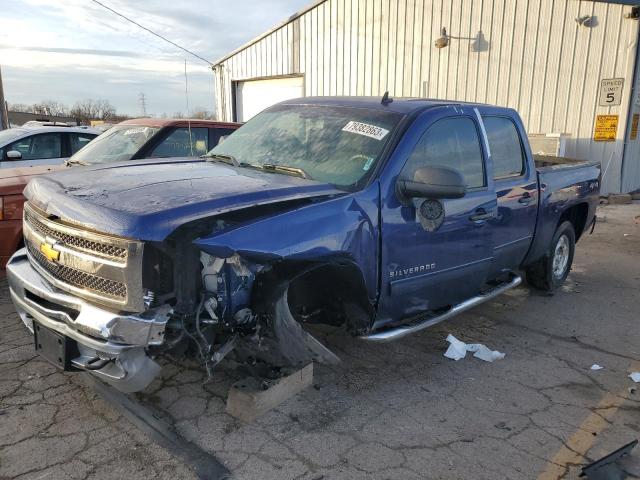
[527, 54]
[631, 168]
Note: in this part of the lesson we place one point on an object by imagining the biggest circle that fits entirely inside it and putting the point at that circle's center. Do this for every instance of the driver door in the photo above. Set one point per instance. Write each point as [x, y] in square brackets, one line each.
[427, 265]
[37, 149]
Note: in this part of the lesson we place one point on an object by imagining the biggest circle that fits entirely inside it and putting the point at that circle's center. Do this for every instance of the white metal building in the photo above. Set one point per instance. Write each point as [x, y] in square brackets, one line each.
[570, 67]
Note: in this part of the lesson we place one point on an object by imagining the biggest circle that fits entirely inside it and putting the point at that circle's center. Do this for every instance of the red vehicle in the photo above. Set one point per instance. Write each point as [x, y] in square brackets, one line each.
[12, 183]
[129, 140]
[153, 138]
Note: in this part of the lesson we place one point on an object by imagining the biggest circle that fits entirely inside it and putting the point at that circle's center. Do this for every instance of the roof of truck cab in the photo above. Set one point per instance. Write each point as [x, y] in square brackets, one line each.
[178, 122]
[398, 105]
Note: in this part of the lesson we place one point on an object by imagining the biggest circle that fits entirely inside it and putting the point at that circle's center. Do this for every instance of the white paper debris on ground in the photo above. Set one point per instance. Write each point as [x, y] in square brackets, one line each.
[595, 366]
[483, 353]
[635, 376]
[458, 350]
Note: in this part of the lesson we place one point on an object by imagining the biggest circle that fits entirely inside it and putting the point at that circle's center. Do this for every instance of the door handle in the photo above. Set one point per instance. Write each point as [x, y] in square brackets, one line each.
[525, 199]
[481, 215]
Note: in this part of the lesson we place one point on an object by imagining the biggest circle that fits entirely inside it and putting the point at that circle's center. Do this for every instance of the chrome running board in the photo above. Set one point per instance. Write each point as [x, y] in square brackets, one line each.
[395, 333]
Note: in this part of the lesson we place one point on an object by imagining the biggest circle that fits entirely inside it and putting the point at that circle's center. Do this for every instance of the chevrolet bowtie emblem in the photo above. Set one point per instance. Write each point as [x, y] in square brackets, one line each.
[48, 251]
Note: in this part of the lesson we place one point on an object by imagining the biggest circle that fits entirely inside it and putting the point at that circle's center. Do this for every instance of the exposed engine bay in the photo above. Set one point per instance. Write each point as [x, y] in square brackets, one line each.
[259, 327]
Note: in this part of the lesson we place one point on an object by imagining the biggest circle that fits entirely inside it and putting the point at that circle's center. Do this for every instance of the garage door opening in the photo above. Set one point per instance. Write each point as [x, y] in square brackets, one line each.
[253, 96]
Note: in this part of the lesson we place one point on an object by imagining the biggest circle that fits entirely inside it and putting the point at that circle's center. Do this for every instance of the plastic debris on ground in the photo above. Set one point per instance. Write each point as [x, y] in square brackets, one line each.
[595, 366]
[635, 376]
[458, 350]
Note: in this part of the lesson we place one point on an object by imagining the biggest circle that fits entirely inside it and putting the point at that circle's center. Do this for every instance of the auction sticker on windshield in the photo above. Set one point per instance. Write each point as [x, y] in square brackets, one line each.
[365, 129]
[133, 131]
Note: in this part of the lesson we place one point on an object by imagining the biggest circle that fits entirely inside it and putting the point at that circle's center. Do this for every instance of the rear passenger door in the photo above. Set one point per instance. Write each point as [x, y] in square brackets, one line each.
[517, 192]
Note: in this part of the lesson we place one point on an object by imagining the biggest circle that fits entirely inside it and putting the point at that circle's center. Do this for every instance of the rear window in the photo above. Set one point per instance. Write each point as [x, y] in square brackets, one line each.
[505, 146]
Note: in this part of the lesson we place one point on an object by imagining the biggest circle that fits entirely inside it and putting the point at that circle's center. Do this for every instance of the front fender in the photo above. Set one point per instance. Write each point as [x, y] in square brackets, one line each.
[344, 226]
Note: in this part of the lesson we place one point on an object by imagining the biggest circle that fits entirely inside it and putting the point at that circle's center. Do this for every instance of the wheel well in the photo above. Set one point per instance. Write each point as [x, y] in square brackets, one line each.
[334, 294]
[577, 215]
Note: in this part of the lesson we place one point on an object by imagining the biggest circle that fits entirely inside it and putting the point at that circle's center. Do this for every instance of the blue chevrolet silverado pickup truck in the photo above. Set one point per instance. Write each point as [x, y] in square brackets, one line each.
[378, 217]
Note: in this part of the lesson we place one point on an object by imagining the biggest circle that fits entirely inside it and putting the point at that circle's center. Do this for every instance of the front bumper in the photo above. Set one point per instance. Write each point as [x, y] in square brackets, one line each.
[120, 339]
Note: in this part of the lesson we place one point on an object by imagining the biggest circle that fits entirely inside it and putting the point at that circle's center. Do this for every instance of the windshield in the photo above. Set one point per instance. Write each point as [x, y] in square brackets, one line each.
[337, 145]
[116, 144]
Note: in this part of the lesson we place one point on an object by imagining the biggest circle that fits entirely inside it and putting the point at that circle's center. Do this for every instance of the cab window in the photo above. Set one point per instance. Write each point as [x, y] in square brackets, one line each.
[40, 146]
[180, 143]
[454, 143]
[79, 140]
[220, 134]
[505, 146]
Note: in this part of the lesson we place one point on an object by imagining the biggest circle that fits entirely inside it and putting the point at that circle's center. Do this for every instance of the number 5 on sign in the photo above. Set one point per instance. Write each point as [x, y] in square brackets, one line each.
[611, 92]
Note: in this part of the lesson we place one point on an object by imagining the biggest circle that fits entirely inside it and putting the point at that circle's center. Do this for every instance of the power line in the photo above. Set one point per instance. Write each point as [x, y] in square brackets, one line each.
[152, 32]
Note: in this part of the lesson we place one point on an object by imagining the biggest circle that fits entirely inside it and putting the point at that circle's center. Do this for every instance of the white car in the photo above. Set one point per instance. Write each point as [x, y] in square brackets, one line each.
[42, 145]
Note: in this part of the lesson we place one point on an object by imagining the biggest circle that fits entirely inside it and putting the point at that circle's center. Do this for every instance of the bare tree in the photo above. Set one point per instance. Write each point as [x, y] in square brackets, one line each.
[45, 107]
[50, 107]
[202, 114]
[20, 107]
[87, 110]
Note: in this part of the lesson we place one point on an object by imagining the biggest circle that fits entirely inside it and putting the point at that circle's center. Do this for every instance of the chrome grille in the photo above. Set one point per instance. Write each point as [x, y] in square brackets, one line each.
[101, 268]
[97, 248]
[79, 279]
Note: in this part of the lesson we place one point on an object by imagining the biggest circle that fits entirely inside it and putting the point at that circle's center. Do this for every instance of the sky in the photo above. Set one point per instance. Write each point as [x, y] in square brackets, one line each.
[71, 50]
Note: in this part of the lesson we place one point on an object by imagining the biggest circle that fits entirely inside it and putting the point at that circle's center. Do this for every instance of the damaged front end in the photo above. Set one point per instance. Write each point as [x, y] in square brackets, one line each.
[111, 345]
[200, 292]
[244, 309]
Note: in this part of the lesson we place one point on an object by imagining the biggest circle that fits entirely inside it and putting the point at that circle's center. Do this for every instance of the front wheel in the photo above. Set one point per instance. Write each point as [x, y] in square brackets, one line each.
[552, 270]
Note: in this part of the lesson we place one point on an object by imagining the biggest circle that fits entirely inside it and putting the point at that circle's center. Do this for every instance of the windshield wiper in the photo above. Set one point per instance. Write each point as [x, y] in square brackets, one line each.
[285, 169]
[229, 159]
[250, 165]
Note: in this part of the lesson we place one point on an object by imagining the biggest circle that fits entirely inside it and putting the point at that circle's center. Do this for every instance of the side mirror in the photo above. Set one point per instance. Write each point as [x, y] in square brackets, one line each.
[433, 182]
[14, 155]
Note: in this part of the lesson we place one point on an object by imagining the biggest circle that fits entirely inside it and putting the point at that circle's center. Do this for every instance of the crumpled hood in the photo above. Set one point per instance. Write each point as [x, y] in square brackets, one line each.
[149, 201]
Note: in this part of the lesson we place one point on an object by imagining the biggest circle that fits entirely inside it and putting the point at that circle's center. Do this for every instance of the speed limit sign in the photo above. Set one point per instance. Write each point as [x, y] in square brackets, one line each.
[611, 92]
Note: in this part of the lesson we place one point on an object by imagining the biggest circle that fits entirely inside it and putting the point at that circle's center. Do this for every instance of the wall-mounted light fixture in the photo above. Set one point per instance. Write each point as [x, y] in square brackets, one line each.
[443, 41]
[478, 43]
[587, 21]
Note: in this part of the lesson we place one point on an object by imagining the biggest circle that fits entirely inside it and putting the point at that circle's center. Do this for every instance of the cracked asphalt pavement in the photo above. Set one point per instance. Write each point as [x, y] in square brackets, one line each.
[393, 411]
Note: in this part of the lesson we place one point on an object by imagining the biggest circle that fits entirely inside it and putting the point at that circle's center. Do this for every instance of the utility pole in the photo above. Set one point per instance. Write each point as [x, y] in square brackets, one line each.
[4, 115]
[143, 104]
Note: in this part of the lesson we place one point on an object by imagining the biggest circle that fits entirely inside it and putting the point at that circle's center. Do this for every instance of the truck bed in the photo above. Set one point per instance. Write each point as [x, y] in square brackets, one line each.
[545, 163]
[563, 183]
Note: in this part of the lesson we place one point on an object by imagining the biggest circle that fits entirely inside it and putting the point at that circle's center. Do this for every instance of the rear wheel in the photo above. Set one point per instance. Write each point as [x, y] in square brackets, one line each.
[552, 270]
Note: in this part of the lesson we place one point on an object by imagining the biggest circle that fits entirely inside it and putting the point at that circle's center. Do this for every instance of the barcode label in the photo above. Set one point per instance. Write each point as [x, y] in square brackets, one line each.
[367, 130]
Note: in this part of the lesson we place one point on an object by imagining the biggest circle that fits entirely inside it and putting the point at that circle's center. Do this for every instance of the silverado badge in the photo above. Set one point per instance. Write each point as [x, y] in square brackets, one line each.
[48, 251]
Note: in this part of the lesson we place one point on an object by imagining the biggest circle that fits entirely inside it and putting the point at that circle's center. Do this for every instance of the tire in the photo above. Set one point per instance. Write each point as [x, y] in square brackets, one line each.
[552, 270]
